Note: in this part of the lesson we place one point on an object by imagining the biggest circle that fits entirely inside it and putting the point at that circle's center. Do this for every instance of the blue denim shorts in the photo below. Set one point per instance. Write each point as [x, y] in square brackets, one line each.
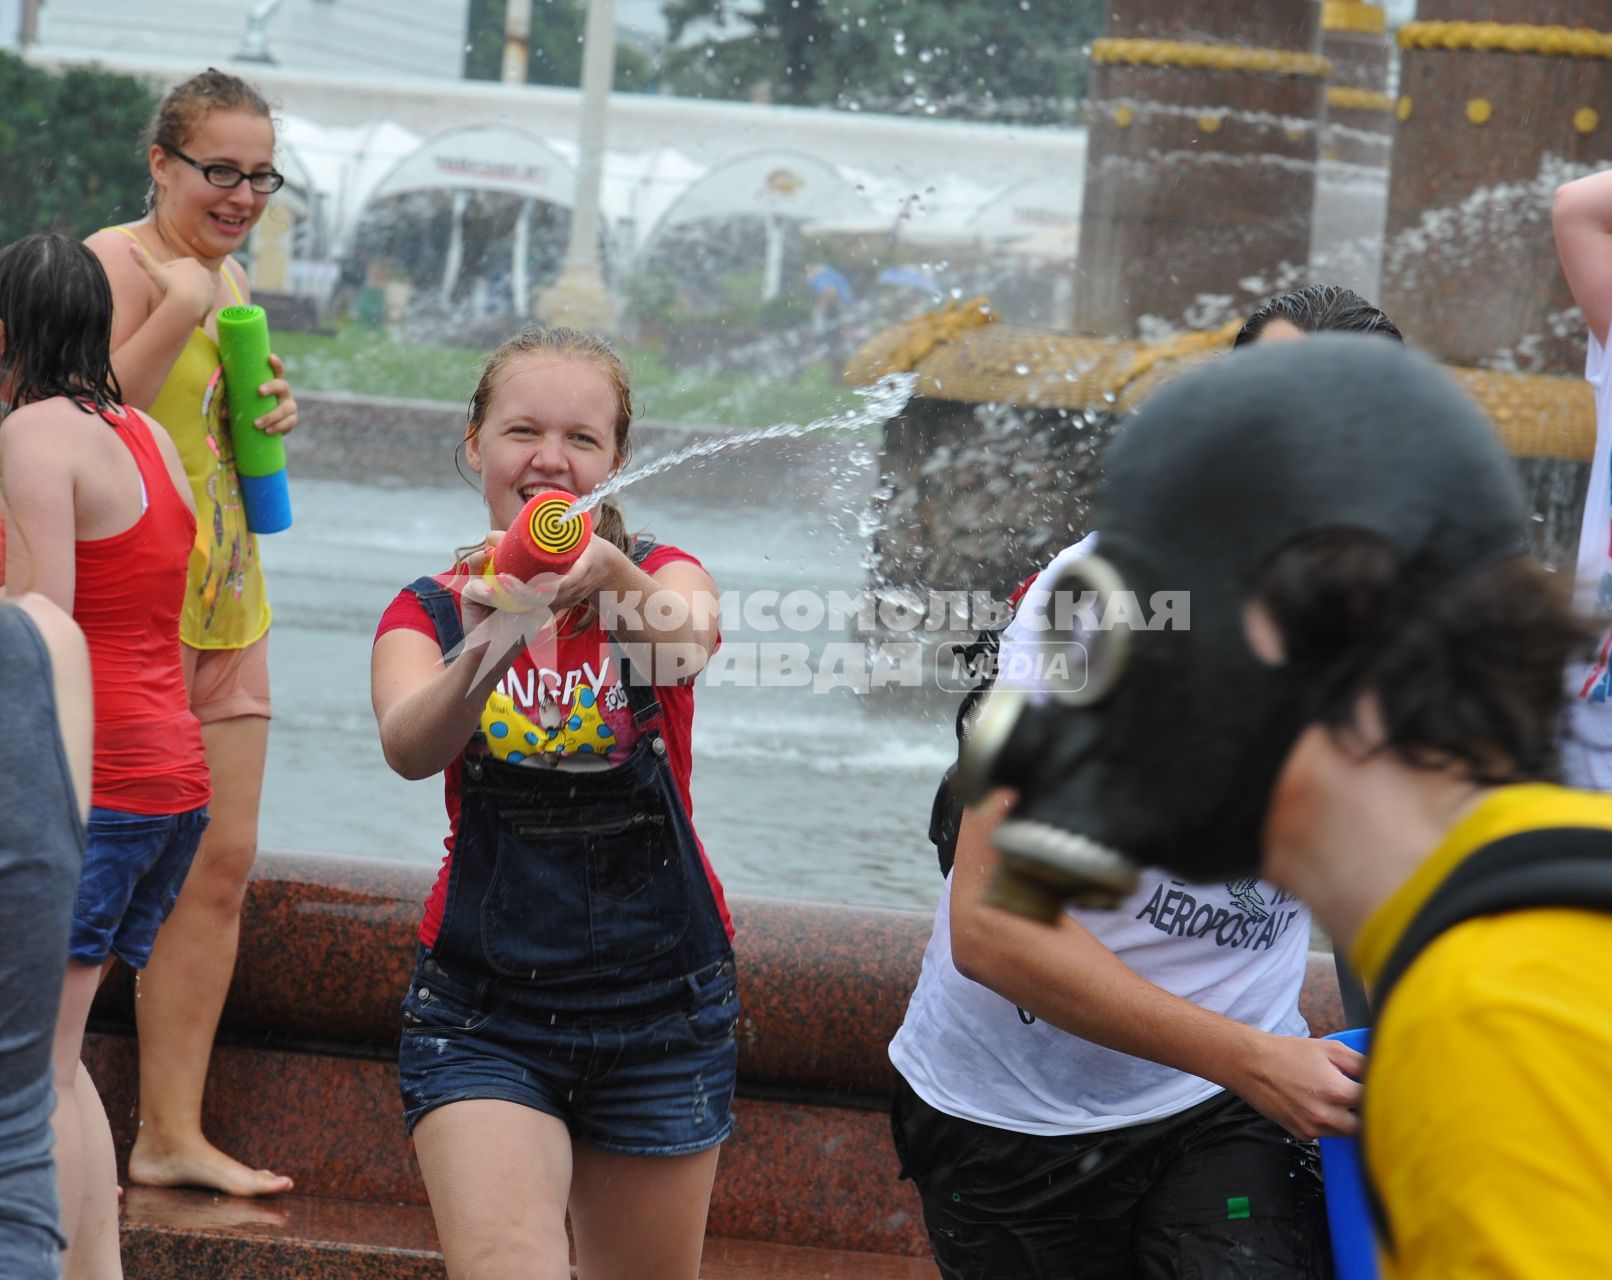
[134, 865]
[648, 1071]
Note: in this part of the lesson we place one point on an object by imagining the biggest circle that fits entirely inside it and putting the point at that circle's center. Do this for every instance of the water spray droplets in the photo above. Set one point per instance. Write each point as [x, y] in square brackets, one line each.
[883, 400]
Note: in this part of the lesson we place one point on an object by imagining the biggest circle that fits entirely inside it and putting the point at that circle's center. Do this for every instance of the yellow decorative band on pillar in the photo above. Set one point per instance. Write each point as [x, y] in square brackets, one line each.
[1354, 15]
[1342, 98]
[1209, 57]
[1506, 37]
[921, 335]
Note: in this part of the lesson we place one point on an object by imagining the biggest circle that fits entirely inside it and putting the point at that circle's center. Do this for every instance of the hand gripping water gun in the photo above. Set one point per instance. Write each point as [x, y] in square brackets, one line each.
[540, 541]
[243, 349]
[1354, 1249]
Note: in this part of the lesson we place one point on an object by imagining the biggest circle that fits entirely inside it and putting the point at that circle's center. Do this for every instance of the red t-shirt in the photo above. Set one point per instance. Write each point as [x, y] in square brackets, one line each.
[128, 592]
[578, 673]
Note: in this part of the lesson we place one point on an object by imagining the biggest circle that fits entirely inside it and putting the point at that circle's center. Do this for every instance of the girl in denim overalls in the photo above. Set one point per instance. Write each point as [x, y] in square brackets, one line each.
[568, 1034]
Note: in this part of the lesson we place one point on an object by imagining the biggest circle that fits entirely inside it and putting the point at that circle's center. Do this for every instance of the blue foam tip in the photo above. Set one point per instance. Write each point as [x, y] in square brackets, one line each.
[267, 500]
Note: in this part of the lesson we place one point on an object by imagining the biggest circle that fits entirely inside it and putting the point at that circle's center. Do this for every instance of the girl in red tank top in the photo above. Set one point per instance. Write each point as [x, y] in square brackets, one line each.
[101, 521]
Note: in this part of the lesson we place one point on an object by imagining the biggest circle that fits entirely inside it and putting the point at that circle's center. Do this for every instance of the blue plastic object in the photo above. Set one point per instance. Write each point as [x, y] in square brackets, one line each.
[267, 500]
[1354, 1245]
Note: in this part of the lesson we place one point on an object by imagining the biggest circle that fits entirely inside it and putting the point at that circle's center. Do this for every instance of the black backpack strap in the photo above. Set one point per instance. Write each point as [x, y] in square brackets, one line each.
[1568, 867]
[1555, 867]
[979, 659]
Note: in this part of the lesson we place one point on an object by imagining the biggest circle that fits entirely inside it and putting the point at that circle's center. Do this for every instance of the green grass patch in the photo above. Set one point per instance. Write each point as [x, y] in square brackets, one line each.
[373, 362]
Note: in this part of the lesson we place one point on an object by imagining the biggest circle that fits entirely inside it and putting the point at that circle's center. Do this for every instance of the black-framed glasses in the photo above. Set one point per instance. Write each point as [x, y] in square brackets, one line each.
[229, 177]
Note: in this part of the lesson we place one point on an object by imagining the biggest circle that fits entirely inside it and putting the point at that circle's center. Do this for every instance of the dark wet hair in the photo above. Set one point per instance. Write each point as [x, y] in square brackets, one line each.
[1319, 308]
[56, 309]
[1468, 676]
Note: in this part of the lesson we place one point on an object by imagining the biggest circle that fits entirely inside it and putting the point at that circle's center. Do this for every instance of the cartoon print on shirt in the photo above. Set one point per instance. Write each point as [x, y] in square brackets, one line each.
[568, 718]
[513, 737]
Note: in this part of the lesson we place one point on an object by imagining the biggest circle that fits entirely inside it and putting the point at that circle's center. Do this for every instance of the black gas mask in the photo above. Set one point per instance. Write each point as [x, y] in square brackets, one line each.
[1163, 746]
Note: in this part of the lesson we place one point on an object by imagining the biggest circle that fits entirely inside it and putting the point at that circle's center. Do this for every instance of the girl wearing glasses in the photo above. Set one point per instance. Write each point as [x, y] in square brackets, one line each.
[211, 154]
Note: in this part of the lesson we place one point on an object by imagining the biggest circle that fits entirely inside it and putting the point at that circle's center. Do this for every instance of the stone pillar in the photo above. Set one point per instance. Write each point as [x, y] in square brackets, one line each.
[1497, 108]
[1357, 139]
[1200, 169]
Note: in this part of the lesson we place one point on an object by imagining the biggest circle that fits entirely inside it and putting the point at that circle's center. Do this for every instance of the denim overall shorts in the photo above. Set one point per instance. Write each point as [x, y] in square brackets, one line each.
[582, 967]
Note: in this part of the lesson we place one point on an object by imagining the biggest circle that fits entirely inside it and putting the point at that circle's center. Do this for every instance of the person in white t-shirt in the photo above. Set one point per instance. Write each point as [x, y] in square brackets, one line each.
[1583, 222]
[1134, 1092]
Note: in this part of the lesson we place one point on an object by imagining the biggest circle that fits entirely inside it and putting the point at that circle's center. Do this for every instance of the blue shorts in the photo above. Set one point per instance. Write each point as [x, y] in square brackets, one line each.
[134, 865]
[648, 1071]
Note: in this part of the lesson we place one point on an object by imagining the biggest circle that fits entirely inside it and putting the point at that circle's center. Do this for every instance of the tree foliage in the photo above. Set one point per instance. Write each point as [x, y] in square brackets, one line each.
[554, 54]
[70, 148]
[1021, 61]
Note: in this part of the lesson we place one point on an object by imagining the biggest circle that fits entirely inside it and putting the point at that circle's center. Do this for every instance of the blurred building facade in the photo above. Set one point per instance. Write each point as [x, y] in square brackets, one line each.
[407, 37]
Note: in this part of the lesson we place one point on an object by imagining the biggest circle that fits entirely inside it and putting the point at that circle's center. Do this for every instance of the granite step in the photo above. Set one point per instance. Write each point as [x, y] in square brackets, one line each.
[168, 1234]
[304, 1079]
[194, 1234]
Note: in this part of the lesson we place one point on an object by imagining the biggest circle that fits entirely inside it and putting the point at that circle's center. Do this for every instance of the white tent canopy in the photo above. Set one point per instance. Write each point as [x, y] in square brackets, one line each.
[1039, 218]
[345, 164]
[638, 187]
[484, 159]
[775, 184]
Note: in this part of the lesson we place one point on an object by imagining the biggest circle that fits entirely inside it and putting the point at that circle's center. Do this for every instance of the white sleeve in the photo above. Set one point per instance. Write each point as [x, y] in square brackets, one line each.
[1587, 742]
[1030, 624]
[1593, 576]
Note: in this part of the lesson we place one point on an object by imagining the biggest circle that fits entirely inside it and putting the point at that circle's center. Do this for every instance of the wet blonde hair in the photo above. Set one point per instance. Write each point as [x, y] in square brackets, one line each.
[572, 344]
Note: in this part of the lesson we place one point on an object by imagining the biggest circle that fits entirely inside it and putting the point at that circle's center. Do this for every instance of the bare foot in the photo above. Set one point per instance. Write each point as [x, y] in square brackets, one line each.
[203, 1166]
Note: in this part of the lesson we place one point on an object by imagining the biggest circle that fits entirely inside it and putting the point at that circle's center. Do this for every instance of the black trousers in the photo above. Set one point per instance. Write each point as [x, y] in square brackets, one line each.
[1215, 1192]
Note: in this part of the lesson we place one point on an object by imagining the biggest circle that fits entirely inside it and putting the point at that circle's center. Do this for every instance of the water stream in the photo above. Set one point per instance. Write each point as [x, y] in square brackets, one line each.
[880, 402]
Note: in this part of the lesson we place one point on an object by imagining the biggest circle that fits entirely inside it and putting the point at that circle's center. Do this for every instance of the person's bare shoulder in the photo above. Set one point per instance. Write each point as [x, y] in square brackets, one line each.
[115, 247]
[237, 273]
[63, 639]
[70, 680]
[47, 423]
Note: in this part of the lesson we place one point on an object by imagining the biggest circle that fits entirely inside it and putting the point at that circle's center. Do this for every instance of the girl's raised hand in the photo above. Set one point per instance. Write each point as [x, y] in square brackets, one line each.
[182, 281]
[476, 602]
[510, 606]
[598, 568]
[283, 417]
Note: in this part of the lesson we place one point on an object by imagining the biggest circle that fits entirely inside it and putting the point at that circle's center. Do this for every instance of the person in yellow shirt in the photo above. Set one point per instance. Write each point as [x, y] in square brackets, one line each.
[1488, 1117]
[211, 156]
[1364, 708]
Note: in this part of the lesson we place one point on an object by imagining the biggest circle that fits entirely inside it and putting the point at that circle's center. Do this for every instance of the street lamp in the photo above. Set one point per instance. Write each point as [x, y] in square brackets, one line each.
[579, 297]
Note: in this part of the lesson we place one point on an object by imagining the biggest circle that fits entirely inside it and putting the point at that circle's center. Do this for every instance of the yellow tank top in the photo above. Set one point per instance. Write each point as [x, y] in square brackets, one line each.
[226, 604]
